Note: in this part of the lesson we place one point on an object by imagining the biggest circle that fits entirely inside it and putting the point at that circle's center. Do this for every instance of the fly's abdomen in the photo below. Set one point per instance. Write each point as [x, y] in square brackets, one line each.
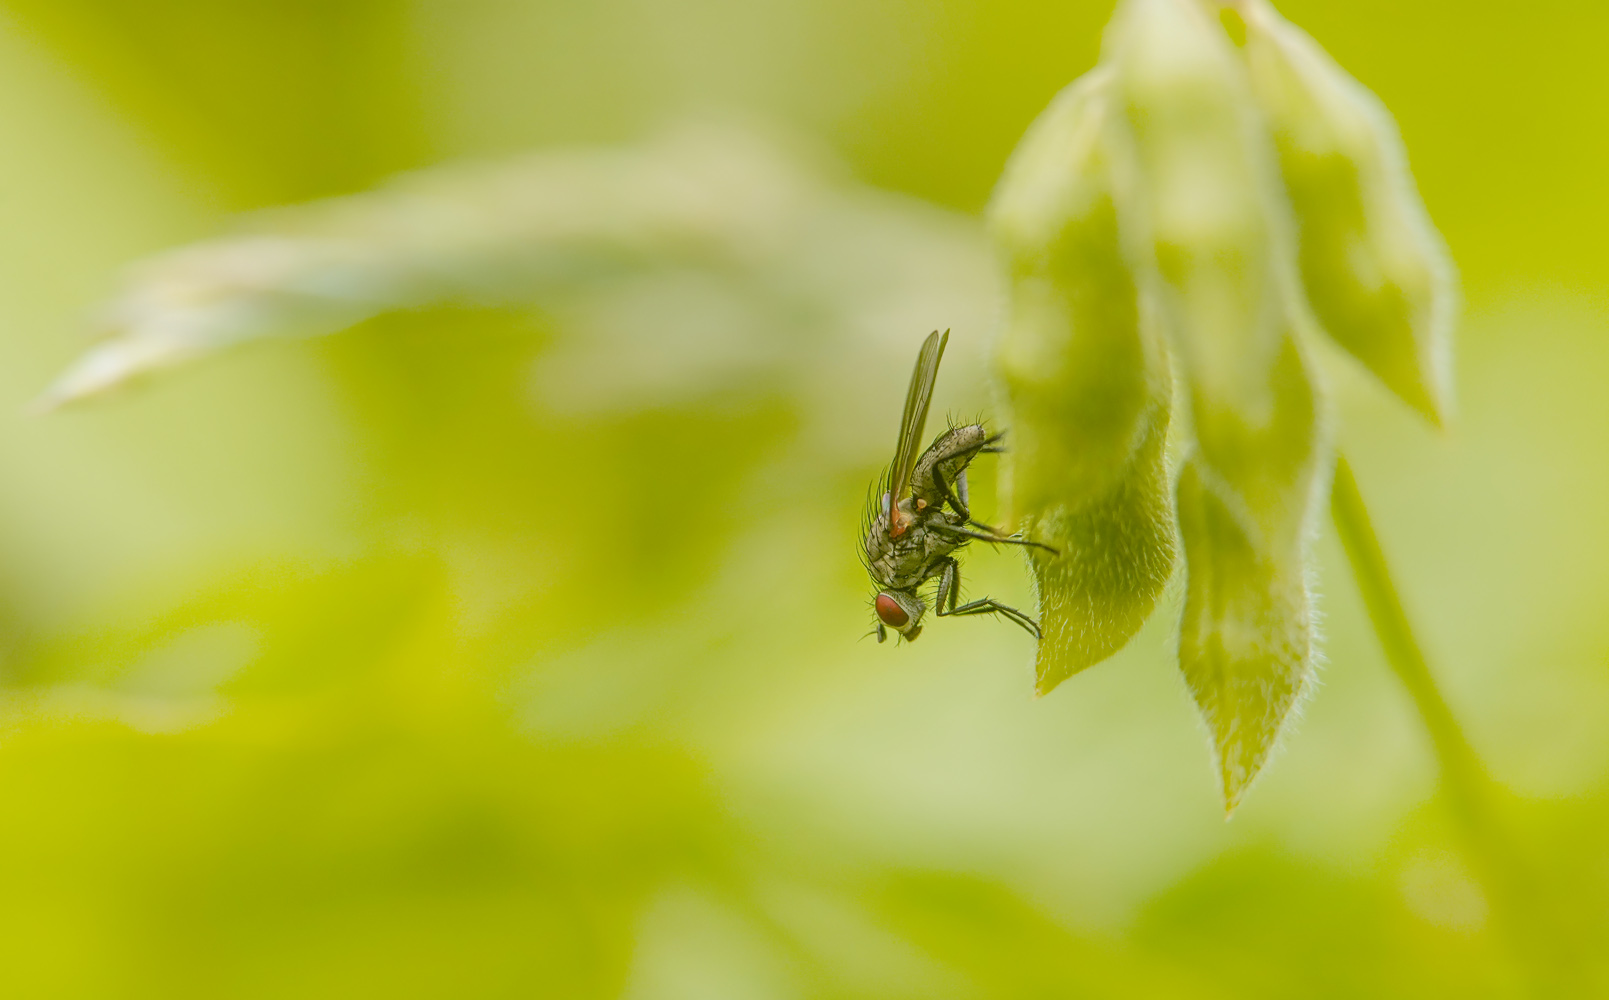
[944, 461]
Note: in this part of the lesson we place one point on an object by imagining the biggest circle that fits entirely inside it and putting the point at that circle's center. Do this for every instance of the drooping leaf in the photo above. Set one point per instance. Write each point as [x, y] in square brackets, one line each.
[1199, 195]
[1206, 219]
[1247, 500]
[1090, 391]
[1376, 271]
[1244, 641]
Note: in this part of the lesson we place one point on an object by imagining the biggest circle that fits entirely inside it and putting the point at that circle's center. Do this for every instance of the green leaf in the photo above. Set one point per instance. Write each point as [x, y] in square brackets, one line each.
[1207, 222]
[1376, 271]
[1200, 201]
[1247, 501]
[1244, 641]
[1088, 382]
[1116, 554]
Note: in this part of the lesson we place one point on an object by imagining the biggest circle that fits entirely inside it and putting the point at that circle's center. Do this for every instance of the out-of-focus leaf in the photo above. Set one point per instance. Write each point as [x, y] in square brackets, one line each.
[1376, 271]
[1206, 217]
[702, 260]
[1090, 392]
[497, 232]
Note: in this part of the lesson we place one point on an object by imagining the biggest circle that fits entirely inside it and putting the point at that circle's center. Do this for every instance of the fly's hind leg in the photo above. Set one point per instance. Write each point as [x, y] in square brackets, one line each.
[944, 467]
[955, 495]
[950, 593]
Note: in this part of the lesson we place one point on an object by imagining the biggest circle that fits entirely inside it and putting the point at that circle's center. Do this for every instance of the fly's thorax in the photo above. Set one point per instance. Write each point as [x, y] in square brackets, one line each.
[909, 560]
[884, 555]
[882, 552]
[878, 541]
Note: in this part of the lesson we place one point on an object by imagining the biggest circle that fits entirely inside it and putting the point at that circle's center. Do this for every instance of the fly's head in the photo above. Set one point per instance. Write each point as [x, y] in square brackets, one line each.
[900, 610]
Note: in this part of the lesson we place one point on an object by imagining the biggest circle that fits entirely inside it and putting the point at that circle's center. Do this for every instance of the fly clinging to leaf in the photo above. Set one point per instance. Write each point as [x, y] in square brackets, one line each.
[922, 518]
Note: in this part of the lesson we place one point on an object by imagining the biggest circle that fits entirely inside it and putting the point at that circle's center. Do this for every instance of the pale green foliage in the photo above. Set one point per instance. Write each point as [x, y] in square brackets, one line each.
[1090, 388]
[1172, 227]
[1147, 203]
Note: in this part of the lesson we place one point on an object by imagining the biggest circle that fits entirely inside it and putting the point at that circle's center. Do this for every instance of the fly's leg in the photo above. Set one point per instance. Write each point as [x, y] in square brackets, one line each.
[996, 538]
[957, 499]
[950, 592]
[949, 586]
[994, 534]
[990, 606]
[944, 467]
[956, 495]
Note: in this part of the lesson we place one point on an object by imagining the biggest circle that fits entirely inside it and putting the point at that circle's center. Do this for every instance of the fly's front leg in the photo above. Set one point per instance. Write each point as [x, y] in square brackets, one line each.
[950, 593]
[993, 534]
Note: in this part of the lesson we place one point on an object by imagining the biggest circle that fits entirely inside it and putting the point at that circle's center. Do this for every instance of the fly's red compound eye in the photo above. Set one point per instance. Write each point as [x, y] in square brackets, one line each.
[891, 613]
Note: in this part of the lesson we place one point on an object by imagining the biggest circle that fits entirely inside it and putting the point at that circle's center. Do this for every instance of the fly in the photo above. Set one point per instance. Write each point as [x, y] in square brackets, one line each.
[922, 519]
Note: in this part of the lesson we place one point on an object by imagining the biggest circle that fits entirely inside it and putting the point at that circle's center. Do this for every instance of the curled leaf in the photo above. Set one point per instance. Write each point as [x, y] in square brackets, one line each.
[1088, 383]
[1376, 271]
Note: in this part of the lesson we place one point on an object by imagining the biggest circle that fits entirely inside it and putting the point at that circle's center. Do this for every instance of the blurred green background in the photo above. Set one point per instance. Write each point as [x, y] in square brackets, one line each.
[359, 666]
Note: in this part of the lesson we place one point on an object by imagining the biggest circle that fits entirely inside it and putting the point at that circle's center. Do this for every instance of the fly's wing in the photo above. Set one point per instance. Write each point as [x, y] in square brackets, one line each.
[916, 403]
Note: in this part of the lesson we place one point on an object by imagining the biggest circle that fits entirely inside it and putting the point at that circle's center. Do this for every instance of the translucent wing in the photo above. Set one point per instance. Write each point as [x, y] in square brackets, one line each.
[915, 419]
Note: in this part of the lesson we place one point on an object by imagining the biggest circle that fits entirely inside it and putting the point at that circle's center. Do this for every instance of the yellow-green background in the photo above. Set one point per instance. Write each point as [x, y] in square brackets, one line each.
[342, 668]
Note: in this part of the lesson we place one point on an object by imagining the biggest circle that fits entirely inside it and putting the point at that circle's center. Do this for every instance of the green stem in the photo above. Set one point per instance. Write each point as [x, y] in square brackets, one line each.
[1525, 920]
[1460, 767]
